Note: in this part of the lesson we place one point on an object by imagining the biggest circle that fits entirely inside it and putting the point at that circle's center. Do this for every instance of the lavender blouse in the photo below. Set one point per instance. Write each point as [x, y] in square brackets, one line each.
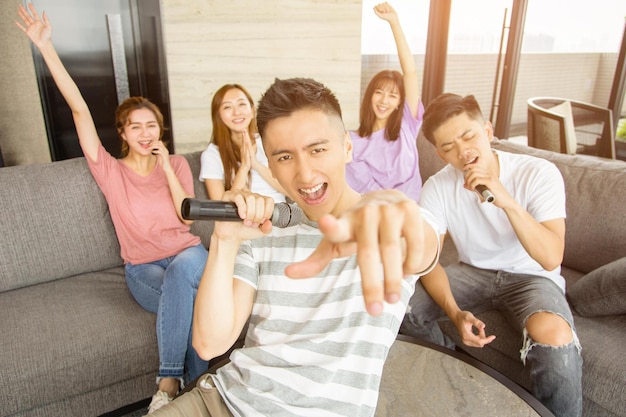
[379, 164]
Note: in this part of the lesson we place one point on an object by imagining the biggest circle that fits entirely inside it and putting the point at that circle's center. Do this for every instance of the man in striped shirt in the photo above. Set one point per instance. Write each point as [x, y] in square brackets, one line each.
[325, 298]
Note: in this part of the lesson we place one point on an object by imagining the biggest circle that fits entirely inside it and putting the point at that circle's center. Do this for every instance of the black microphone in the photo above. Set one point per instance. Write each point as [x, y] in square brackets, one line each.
[486, 193]
[284, 214]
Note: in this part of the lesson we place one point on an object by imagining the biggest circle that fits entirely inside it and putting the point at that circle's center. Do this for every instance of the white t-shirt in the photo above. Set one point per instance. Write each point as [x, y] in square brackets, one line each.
[482, 232]
[211, 168]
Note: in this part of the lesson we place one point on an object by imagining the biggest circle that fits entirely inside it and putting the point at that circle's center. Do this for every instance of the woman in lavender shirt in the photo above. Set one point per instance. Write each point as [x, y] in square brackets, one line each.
[384, 146]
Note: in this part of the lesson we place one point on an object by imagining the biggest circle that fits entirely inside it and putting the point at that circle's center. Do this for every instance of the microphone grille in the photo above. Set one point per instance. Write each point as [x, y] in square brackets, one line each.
[286, 215]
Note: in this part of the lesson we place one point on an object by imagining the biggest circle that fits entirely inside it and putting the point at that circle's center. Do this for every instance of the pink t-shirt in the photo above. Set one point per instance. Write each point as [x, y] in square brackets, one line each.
[142, 211]
[379, 164]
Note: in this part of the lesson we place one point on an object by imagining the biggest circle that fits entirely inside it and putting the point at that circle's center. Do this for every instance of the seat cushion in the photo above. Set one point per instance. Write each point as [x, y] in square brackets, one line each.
[602, 292]
[72, 336]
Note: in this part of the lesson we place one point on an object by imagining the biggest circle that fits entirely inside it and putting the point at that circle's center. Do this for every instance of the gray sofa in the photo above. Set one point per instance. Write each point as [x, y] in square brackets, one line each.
[73, 342]
[594, 267]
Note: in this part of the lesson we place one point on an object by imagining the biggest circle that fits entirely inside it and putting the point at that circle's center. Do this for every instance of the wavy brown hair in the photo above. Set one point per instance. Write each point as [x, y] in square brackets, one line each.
[122, 115]
[220, 136]
[367, 117]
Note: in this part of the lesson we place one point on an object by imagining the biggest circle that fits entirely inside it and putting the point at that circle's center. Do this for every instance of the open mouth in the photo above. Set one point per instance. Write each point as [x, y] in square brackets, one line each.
[314, 194]
[145, 143]
[472, 161]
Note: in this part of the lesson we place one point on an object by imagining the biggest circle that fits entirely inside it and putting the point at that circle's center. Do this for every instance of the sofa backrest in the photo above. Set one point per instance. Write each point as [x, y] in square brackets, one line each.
[54, 223]
[430, 162]
[202, 228]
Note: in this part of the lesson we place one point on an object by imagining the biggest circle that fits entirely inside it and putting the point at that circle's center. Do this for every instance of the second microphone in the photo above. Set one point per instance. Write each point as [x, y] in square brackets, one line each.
[284, 214]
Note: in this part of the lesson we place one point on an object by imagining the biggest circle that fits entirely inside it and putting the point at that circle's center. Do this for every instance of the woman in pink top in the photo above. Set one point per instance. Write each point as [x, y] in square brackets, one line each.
[384, 151]
[144, 190]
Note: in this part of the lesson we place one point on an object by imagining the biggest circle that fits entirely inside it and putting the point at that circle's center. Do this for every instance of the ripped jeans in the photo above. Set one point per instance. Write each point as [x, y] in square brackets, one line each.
[555, 372]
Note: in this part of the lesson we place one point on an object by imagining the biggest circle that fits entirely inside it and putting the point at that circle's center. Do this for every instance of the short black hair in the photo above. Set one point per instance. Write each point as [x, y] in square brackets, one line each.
[284, 97]
[445, 107]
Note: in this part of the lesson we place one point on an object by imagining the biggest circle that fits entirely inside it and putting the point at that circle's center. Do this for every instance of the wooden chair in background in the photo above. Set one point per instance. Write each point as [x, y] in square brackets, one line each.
[570, 126]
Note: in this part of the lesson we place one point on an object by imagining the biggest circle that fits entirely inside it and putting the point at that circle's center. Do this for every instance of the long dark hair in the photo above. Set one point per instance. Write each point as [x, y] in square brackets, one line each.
[221, 137]
[367, 117]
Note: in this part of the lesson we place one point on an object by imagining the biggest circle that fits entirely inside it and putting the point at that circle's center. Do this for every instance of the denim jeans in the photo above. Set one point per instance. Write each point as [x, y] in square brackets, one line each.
[168, 288]
[555, 372]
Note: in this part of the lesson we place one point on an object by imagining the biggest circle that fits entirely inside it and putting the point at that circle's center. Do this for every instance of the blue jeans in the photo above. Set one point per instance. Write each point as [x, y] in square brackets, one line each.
[555, 371]
[168, 288]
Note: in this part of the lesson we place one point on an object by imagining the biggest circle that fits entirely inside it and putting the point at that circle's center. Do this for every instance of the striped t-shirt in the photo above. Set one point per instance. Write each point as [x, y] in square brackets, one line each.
[311, 348]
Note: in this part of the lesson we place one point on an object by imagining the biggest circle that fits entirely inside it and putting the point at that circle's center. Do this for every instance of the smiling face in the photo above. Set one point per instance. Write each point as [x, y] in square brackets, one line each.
[307, 153]
[141, 131]
[236, 111]
[462, 141]
[385, 100]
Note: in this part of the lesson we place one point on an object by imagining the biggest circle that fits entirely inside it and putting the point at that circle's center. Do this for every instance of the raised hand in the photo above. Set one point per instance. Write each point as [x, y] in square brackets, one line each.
[37, 29]
[385, 12]
[162, 153]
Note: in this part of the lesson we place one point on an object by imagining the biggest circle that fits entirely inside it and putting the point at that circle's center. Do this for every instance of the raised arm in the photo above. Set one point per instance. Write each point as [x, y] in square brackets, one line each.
[407, 62]
[39, 31]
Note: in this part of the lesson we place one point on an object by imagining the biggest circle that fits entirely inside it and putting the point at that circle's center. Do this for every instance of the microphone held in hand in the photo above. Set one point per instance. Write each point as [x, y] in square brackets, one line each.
[485, 193]
[284, 214]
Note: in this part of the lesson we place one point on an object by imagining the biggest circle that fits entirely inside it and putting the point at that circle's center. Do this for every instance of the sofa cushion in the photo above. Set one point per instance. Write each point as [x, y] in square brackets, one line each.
[55, 223]
[73, 336]
[601, 292]
[604, 369]
[595, 227]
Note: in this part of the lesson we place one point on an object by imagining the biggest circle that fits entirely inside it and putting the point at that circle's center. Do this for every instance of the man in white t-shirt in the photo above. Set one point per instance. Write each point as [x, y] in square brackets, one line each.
[510, 251]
